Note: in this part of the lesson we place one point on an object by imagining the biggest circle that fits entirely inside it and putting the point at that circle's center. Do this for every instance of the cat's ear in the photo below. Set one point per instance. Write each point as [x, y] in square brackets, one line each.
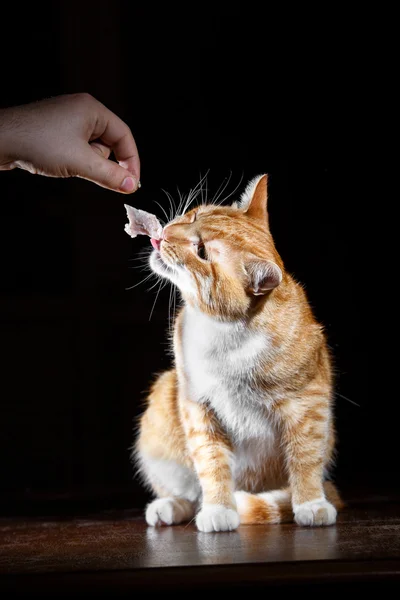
[263, 275]
[255, 197]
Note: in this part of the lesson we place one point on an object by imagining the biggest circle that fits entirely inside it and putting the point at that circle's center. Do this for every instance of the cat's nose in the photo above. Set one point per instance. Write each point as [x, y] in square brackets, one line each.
[166, 234]
[155, 243]
[173, 234]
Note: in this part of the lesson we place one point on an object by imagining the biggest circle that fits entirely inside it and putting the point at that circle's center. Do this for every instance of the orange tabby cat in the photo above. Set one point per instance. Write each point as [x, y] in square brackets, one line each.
[241, 429]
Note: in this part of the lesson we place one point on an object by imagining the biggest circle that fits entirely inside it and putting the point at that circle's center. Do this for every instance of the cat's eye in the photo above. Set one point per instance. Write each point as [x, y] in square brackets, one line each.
[201, 252]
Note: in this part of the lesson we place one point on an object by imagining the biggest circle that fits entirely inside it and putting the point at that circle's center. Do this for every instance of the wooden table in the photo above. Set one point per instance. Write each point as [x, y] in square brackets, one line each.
[114, 551]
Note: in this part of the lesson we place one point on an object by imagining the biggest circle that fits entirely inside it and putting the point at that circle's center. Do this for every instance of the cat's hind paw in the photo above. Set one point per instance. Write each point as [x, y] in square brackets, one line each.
[215, 517]
[315, 513]
[169, 511]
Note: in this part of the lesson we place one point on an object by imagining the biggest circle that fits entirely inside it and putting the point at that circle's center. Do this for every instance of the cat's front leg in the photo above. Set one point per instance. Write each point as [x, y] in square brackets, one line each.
[211, 454]
[307, 437]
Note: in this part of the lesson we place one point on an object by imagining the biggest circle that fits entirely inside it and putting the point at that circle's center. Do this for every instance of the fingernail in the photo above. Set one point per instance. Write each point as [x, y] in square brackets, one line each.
[128, 185]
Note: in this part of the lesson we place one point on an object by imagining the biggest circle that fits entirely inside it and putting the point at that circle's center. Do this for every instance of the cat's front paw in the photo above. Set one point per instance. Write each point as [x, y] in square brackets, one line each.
[215, 517]
[169, 511]
[315, 513]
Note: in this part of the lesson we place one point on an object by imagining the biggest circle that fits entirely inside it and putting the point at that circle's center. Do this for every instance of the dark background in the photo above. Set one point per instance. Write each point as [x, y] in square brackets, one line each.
[202, 89]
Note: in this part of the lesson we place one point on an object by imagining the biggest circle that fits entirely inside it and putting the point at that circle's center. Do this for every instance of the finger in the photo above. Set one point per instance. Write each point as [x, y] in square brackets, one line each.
[106, 173]
[115, 134]
[100, 149]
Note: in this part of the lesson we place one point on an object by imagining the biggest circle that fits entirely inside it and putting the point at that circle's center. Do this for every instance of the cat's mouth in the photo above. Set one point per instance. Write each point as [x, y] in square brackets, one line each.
[162, 267]
[155, 243]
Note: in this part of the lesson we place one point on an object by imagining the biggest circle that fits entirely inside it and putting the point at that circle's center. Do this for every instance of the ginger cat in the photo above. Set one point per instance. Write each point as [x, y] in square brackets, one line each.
[241, 429]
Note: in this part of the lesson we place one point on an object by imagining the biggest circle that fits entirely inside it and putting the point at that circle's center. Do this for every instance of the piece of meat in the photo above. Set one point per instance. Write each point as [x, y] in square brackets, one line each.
[142, 223]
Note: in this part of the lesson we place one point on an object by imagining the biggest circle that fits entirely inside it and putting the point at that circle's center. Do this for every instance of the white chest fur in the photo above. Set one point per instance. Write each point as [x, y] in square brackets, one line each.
[220, 360]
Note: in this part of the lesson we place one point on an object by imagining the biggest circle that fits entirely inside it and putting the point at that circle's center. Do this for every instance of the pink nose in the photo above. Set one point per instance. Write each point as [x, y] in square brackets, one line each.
[155, 243]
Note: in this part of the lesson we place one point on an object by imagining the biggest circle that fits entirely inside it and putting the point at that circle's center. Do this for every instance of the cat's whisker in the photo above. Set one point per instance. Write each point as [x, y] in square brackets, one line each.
[203, 187]
[173, 308]
[348, 399]
[175, 295]
[153, 286]
[141, 267]
[181, 201]
[164, 211]
[190, 522]
[137, 259]
[222, 187]
[142, 258]
[190, 200]
[140, 282]
[182, 205]
[142, 253]
[201, 182]
[171, 290]
[171, 203]
[162, 286]
[233, 192]
[202, 199]
[186, 201]
[193, 194]
[155, 300]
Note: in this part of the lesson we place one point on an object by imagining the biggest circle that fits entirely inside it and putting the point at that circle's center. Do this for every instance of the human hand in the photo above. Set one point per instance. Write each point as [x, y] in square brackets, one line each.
[70, 136]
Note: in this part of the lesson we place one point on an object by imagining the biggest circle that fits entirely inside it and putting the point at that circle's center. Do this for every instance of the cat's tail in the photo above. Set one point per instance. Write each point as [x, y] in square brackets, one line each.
[276, 506]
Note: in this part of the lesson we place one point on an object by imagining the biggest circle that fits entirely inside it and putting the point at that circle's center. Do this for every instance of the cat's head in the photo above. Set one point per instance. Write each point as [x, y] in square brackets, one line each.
[222, 258]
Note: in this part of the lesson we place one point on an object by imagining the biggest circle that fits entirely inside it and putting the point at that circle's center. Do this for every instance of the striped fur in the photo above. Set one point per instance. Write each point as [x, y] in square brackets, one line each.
[241, 428]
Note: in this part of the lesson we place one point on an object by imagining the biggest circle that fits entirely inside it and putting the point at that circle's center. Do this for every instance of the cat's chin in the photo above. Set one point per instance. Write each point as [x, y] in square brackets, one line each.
[174, 273]
[157, 264]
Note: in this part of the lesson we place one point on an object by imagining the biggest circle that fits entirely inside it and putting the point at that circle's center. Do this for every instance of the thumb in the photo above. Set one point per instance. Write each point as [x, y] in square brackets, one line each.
[106, 173]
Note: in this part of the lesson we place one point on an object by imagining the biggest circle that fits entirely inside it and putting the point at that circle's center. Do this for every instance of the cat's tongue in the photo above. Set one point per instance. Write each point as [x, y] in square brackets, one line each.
[143, 223]
[155, 243]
